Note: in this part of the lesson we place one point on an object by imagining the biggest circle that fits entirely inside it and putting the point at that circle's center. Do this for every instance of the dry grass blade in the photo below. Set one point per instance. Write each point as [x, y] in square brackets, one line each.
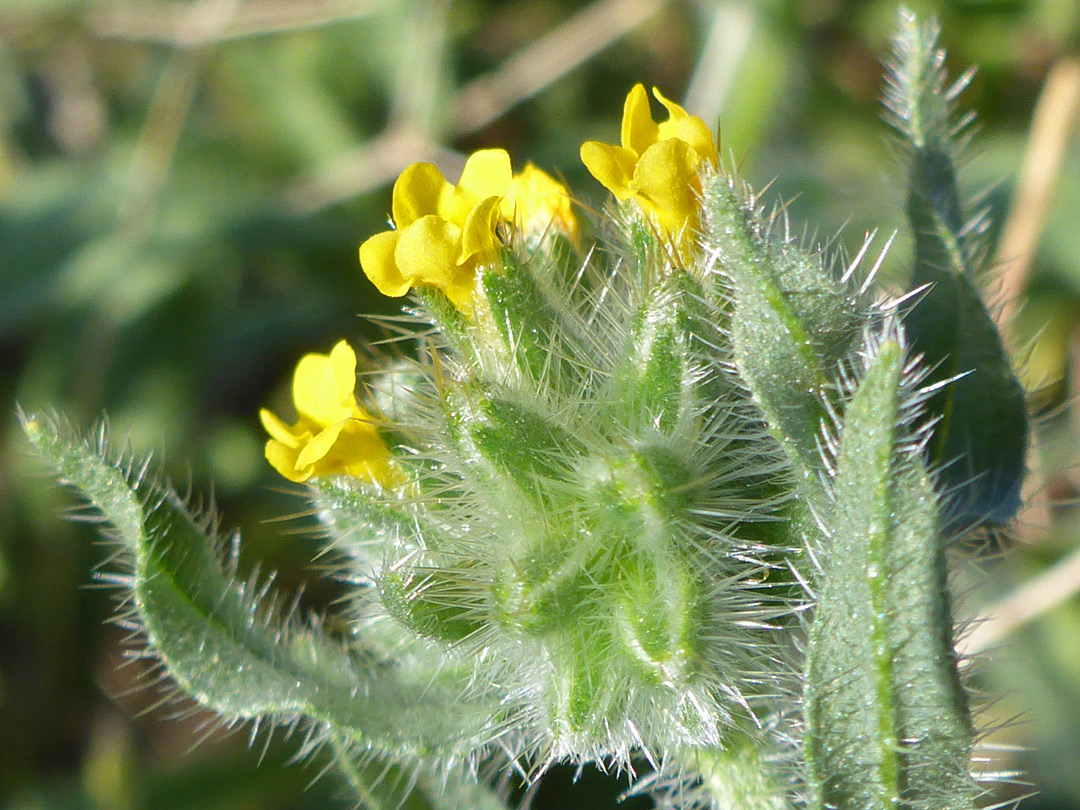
[1038, 595]
[475, 105]
[419, 82]
[1054, 121]
[160, 135]
[169, 109]
[553, 55]
[171, 23]
[373, 164]
[716, 71]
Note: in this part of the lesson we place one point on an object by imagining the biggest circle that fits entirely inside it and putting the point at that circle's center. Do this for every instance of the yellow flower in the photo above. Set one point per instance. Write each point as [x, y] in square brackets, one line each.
[443, 232]
[658, 165]
[536, 202]
[333, 435]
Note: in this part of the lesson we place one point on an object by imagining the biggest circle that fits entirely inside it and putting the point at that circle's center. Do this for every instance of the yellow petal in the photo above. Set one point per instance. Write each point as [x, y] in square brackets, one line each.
[537, 201]
[688, 128]
[360, 451]
[283, 459]
[378, 264]
[427, 251]
[343, 362]
[639, 131]
[351, 447]
[348, 443]
[478, 235]
[418, 192]
[319, 446]
[461, 287]
[696, 133]
[613, 166]
[666, 179]
[486, 174]
[522, 191]
[675, 113]
[323, 386]
[291, 437]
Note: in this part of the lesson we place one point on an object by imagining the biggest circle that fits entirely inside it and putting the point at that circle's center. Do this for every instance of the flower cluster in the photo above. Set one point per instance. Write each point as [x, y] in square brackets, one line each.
[334, 435]
[443, 232]
[658, 165]
[444, 235]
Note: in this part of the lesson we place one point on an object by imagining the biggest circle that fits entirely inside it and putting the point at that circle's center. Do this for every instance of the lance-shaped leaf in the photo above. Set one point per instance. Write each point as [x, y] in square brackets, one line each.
[538, 330]
[363, 521]
[380, 784]
[737, 776]
[887, 725]
[982, 433]
[661, 376]
[224, 645]
[792, 319]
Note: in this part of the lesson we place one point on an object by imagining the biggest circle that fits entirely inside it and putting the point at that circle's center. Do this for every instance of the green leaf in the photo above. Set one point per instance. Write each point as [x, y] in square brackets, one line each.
[505, 429]
[736, 776]
[980, 444]
[659, 379]
[793, 321]
[950, 326]
[660, 617]
[887, 725]
[220, 642]
[432, 602]
[658, 391]
[539, 333]
[382, 785]
[586, 702]
[363, 520]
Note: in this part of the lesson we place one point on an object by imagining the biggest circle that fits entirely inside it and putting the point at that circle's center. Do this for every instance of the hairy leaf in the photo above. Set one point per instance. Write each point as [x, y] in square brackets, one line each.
[887, 724]
[793, 321]
[224, 645]
[950, 325]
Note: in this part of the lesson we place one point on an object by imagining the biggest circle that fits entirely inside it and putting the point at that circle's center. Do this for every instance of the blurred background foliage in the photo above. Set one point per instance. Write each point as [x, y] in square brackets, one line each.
[183, 186]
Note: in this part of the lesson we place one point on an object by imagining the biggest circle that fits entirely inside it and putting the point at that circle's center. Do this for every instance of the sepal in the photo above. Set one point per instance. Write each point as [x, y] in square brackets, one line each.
[886, 718]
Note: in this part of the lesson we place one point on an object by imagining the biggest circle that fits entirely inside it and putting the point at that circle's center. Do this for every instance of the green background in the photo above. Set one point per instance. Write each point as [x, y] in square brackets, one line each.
[183, 187]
